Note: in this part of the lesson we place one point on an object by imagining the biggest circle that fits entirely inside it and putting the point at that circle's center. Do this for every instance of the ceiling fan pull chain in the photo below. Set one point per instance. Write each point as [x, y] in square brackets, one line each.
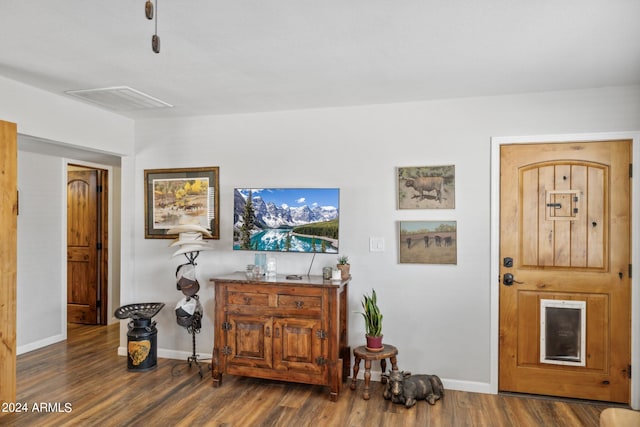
[155, 39]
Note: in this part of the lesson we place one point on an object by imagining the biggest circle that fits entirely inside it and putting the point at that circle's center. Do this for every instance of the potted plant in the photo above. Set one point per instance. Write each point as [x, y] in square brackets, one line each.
[343, 266]
[372, 321]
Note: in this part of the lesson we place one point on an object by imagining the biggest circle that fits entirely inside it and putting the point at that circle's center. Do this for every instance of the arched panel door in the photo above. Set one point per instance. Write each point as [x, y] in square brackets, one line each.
[565, 256]
[82, 247]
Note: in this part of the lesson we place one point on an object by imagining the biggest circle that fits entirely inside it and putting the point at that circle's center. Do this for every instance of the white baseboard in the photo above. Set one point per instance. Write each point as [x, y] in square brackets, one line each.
[39, 344]
[170, 354]
[469, 386]
[181, 355]
[458, 385]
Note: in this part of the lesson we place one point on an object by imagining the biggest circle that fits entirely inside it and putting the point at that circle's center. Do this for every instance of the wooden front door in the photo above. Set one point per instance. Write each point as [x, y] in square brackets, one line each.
[83, 231]
[565, 236]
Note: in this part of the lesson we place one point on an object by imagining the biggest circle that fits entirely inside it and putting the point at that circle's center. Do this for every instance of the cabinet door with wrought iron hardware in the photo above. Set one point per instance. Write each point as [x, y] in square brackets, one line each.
[249, 343]
[298, 346]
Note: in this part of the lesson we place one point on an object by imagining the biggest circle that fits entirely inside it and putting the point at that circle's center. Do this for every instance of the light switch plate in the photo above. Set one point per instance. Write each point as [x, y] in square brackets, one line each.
[376, 244]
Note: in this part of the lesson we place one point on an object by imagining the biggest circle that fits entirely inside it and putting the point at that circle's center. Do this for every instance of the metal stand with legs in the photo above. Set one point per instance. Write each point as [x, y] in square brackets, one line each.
[194, 359]
[189, 311]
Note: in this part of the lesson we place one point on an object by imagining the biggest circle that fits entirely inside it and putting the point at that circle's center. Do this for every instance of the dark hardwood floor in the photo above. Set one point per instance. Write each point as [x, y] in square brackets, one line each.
[84, 382]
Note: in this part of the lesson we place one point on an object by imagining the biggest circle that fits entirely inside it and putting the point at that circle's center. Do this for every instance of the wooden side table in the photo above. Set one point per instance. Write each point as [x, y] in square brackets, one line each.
[360, 353]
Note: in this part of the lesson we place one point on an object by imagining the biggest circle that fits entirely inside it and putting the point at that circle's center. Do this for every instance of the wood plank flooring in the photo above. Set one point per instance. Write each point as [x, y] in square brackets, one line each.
[84, 382]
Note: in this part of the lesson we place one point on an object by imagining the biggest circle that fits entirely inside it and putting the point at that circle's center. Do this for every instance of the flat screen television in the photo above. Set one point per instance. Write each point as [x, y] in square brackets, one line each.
[286, 219]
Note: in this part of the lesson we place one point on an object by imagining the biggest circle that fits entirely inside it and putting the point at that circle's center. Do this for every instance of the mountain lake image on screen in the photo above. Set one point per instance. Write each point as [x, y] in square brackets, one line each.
[286, 219]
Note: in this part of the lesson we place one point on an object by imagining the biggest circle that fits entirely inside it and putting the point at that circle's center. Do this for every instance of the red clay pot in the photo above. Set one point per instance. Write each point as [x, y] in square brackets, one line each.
[374, 343]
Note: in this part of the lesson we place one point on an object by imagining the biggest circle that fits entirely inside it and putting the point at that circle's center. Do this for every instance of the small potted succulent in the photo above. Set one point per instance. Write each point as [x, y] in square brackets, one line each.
[344, 266]
[372, 321]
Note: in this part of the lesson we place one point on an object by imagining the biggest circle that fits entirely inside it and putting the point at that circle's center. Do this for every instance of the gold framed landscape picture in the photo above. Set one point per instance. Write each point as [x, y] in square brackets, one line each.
[185, 196]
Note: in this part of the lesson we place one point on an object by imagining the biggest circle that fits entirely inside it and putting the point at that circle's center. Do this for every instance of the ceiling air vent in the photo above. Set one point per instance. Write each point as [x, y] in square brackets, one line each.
[119, 98]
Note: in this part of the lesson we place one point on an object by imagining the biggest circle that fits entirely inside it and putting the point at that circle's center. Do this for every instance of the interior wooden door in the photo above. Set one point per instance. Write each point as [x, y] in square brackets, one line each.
[565, 240]
[82, 247]
[8, 260]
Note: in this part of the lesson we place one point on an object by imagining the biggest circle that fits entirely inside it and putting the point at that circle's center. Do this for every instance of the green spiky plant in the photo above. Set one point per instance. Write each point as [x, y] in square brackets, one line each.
[372, 315]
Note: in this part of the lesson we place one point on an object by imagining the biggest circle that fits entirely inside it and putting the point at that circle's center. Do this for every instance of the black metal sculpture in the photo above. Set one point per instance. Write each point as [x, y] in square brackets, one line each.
[402, 387]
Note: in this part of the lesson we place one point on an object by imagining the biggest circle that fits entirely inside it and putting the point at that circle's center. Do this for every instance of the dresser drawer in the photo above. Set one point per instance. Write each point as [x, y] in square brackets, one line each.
[300, 302]
[248, 298]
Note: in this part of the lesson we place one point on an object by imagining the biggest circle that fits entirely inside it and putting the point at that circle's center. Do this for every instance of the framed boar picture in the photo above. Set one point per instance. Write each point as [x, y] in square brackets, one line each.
[426, 187]
[428, 242]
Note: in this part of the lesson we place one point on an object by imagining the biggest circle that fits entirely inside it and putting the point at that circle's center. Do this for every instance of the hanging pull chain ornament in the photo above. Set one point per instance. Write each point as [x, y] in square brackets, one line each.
[149, 13]
[148, 9]
[155, 39]
[155, 43]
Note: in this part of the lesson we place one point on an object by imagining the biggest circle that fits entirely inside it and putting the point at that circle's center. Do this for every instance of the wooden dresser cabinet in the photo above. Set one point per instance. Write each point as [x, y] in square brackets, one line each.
[290, 330]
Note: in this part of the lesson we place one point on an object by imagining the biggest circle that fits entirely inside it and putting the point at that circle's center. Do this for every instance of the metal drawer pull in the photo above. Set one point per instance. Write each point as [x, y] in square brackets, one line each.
[277, 332]
[247, 300]
[299, 304]
[267, 332]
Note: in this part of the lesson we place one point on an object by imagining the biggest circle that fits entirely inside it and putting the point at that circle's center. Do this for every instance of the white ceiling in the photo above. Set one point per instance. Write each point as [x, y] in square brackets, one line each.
[237, 56]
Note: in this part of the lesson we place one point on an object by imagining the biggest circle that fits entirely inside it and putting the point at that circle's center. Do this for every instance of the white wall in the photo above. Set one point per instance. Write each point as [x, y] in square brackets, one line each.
[437, 315]
[60, 119]
[59, 125]
[40, 310]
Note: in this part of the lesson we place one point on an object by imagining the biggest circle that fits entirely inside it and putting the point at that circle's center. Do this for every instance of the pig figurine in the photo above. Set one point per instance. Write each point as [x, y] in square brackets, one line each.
[402, 387]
